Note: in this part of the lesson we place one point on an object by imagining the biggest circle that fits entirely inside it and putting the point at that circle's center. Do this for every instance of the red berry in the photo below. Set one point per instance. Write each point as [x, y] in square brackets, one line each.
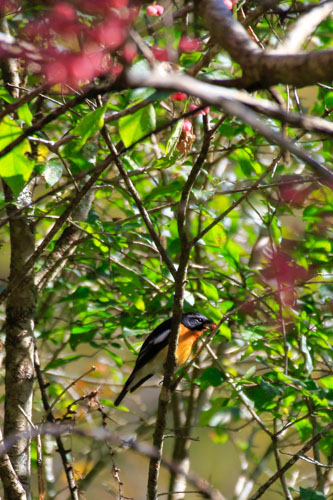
[178, 96]
[160, 54]
[154, 10]
[159, 9]
[187, 125]
[204, 111]
[193, 107]
[229, 3]
[151, 11]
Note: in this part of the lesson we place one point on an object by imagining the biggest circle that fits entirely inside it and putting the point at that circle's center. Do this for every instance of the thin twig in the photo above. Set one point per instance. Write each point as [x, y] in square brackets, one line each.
[77, 379]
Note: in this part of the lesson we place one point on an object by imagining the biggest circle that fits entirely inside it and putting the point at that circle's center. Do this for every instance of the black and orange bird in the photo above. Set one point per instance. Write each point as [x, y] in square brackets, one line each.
[153, 352]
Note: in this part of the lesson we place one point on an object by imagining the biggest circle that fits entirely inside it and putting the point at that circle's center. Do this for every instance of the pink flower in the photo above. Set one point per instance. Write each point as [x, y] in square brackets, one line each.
[187, 125]
[204, 111]
[129, 51]
[178, 96]
[188, 44]
[56, 72]
[111, 33]
[65, 12]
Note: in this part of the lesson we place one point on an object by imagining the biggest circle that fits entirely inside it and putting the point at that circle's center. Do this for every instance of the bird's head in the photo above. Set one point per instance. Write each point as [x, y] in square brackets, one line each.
[197, 321]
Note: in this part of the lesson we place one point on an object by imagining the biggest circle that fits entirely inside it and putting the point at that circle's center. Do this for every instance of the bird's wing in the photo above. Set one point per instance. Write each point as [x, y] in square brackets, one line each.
[153, 344]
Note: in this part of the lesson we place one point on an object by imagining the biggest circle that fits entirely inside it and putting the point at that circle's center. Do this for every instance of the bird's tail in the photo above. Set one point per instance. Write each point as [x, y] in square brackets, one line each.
[121, 395]
[131, 387]
[125, 389]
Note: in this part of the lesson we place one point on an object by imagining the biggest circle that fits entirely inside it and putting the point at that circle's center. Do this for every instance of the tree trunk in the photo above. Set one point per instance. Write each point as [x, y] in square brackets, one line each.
[19, 342]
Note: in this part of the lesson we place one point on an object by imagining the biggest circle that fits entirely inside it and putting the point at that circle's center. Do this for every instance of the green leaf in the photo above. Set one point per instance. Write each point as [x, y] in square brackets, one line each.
[226, 306]
[88, 126]
[211, 376]
[307, 494]
[16, 166]
[304, 429]
[225, 331]
[133, 127]
[275, 230]
[173, 189]
[52, 171]
[174, 138]
[25, 114]
[327, 382]
[209, 290]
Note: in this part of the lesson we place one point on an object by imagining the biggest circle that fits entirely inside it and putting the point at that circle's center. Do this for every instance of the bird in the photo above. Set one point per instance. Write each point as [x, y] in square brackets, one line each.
[154, 350]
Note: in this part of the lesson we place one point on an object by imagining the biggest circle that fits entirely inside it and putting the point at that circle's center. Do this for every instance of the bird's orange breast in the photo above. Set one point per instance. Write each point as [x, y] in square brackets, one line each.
[186, 341]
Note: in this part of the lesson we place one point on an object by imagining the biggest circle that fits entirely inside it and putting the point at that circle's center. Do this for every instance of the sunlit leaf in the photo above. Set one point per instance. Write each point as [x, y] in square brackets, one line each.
[16, 167]
[134, 126]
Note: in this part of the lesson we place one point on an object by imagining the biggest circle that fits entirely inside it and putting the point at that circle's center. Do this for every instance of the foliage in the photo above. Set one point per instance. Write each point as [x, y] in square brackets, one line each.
[262, 271]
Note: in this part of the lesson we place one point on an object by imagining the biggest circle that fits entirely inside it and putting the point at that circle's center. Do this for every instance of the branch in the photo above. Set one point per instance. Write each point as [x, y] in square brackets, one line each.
[50, 418]
[208, 92]
[227, 31]
[231, 102]
[180, 284]
[11, 108]
[303, 27]
[17, 280]
[65, 245]
[237, 202]
[87, 93]
[263, 68]
[101, 434]
[145, 215]
[315, 439]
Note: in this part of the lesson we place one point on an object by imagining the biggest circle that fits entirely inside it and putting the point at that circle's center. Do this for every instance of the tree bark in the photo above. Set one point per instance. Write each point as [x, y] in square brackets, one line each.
[19, 342]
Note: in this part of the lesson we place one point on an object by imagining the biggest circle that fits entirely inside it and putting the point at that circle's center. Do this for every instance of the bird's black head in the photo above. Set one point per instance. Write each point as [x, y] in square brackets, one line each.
[197, 321]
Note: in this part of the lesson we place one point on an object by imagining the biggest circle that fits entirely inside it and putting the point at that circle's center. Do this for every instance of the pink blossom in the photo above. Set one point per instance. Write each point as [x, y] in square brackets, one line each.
[102, 6]
[56, 72]
[129, 51]
[111, 34]
[64, 12]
